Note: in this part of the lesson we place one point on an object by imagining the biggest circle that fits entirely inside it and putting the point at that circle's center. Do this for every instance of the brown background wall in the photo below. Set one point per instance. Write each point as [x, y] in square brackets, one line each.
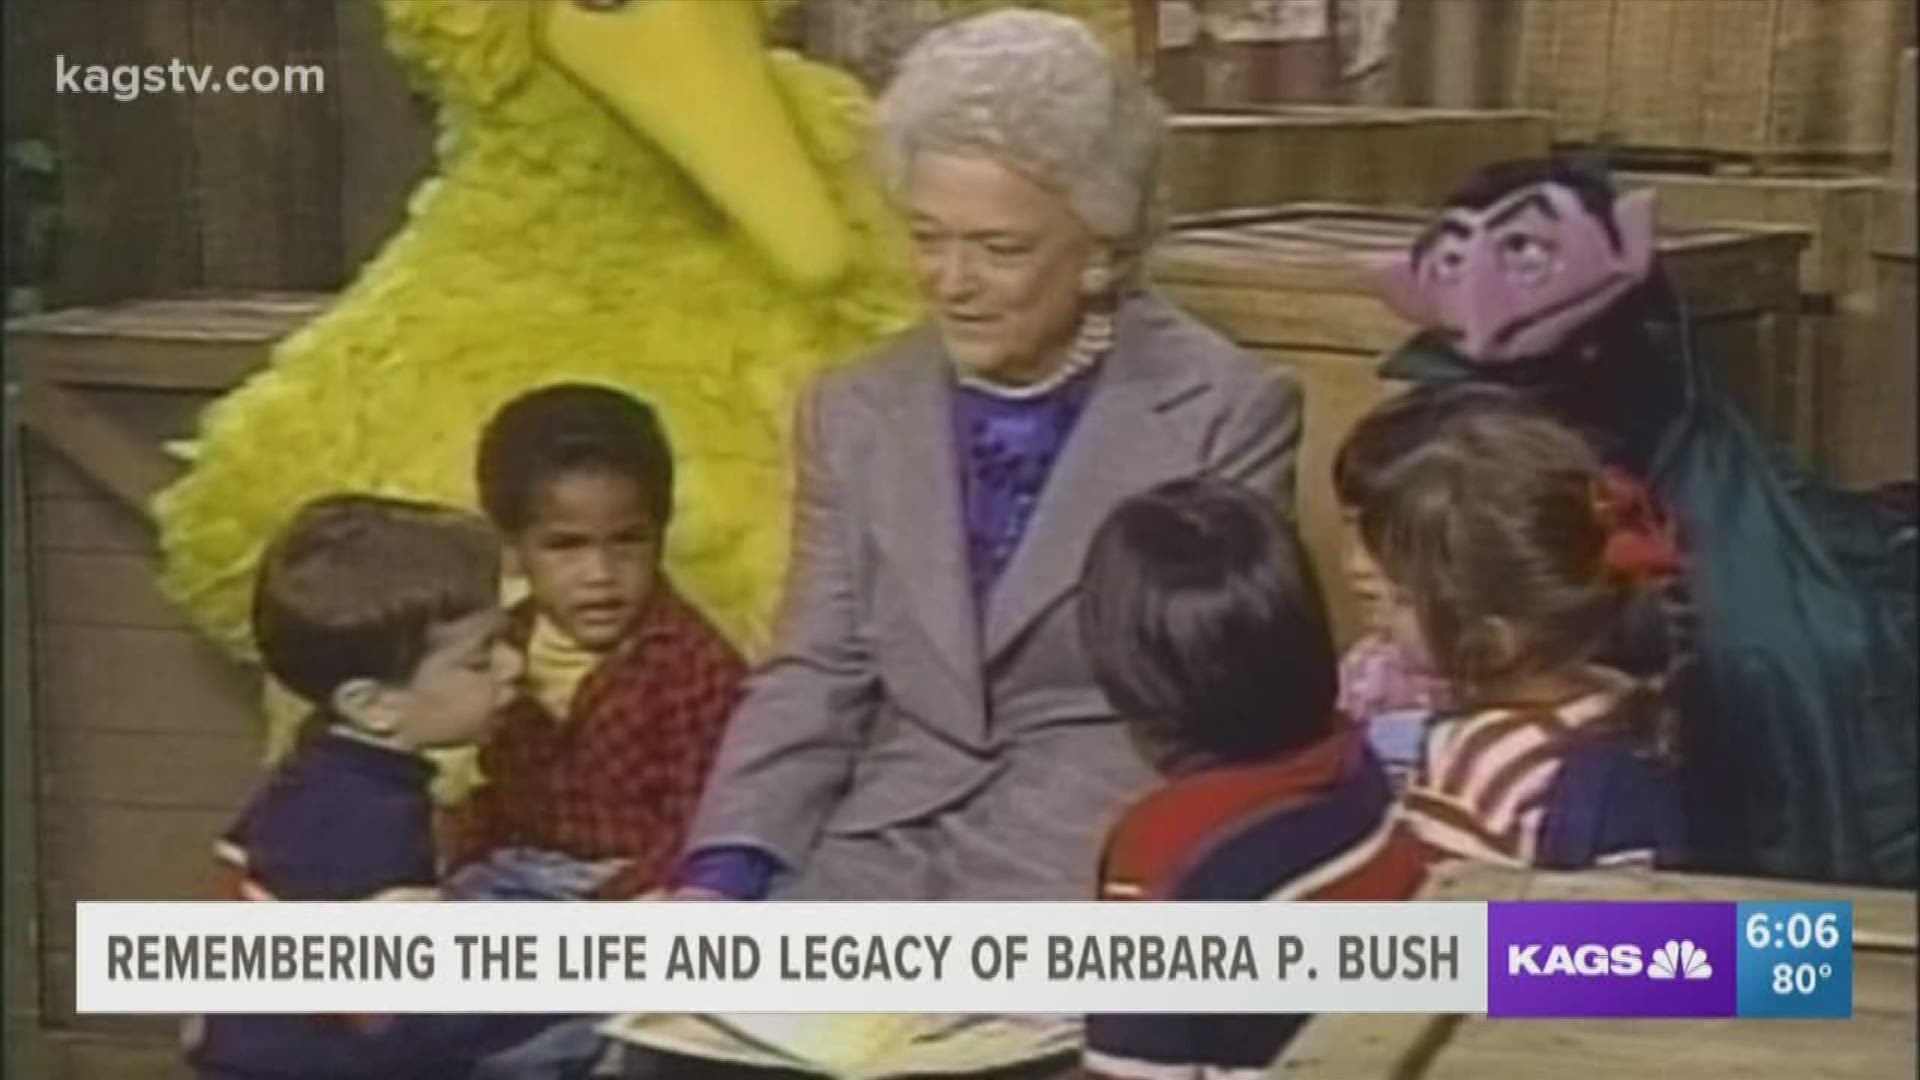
[170, 193]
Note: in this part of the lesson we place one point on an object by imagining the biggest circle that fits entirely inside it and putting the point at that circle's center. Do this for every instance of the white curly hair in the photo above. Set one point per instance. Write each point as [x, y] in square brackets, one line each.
[1037, 93]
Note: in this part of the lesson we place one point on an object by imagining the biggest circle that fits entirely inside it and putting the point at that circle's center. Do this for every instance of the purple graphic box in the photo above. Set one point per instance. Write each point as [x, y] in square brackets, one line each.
[1617, 959]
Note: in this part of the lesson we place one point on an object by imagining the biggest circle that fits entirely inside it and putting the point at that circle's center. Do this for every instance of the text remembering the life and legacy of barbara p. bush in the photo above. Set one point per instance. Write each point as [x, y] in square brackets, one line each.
[1503, 958]
[782, 957]
[635, 957]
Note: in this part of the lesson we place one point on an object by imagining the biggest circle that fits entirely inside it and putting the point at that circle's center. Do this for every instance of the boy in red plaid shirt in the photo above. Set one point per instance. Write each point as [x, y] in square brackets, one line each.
[627, 687]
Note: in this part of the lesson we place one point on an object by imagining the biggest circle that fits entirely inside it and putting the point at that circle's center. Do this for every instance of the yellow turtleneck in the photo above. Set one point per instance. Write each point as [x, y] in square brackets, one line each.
[556, 666]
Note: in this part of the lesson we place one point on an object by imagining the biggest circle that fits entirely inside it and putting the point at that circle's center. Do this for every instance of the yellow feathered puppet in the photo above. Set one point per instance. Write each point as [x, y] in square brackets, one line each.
[636, 194]
[631, 192]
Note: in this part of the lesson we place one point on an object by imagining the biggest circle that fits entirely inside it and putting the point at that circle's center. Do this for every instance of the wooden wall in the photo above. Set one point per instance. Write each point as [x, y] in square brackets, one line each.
[868, 37]
[175, 192]
[1455, 53]
[143, 740]
[130, 741]
[110, 793]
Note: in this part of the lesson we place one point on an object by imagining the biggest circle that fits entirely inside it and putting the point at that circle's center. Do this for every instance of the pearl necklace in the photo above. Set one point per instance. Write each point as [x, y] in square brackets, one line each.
[1092, 342]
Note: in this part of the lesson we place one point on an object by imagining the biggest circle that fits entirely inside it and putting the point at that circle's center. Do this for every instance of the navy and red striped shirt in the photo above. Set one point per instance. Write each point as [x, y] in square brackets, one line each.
[1317, 824]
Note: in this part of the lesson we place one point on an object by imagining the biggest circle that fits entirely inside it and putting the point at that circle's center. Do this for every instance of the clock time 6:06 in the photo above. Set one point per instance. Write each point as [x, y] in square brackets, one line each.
[1799, 931]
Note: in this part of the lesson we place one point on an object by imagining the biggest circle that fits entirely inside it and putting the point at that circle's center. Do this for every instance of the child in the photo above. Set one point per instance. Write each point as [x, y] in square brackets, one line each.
[628, 687]
[384, 616]
[1384, 687]
[1206, 627]
[1511, 562]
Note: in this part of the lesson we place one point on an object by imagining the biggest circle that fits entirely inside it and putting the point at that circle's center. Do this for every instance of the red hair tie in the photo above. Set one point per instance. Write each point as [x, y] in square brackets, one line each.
[1642, 543]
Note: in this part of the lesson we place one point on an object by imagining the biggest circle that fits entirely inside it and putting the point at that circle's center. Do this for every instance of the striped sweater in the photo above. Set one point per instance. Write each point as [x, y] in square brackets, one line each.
[1316, 825]
[1557, 787]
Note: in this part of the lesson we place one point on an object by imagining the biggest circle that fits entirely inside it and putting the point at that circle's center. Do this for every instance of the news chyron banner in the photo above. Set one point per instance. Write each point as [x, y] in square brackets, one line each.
[1497, 959]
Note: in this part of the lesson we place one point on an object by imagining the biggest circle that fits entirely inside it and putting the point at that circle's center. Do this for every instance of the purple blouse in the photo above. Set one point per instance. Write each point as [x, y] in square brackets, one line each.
[1006, 448]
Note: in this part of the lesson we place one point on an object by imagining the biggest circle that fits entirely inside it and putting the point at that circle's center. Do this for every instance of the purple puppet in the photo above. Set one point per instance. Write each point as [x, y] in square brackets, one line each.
[1513, 280]
[1801, 748]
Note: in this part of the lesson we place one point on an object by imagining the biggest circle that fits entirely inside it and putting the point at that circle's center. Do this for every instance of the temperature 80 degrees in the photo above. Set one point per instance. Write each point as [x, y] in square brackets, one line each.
[1800, 978]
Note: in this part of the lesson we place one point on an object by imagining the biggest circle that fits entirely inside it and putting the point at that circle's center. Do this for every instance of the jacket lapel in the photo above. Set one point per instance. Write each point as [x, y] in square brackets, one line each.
[920, 527]
[1114, 451]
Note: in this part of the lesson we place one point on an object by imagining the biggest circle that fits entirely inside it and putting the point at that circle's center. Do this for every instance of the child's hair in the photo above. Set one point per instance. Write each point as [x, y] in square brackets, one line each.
[1402, 424]
[1490, 530]
[354, 585]
[1497, 530]
[1205, 624]
[569, 428]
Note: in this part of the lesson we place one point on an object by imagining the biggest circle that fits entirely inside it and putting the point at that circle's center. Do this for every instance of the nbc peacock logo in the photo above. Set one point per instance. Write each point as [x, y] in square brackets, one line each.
[1680, 960]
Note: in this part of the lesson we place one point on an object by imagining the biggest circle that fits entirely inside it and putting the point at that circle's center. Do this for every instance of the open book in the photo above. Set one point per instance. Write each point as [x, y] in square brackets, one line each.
[854, 1046]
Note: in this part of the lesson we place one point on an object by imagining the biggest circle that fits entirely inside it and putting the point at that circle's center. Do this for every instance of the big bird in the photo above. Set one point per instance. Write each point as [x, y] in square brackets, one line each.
[638, 194]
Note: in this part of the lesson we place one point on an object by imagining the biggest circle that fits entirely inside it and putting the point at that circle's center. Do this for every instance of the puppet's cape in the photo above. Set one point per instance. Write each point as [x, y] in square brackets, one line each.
[1805, 602]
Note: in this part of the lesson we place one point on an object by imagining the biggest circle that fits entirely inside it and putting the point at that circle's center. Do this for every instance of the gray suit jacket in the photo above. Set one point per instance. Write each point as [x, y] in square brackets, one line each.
[898, 745]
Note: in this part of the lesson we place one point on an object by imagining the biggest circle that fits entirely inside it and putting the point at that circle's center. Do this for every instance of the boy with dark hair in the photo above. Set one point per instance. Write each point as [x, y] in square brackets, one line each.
[384, 616]
[1206, 627]
[628, 687]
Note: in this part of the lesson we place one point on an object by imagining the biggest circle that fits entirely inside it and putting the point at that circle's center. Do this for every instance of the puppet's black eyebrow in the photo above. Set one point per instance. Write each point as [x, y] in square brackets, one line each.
[1446, 226]
[1535, 199]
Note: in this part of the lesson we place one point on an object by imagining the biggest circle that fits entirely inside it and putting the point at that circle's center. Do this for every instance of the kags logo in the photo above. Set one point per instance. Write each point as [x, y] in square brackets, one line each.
[1577, 960]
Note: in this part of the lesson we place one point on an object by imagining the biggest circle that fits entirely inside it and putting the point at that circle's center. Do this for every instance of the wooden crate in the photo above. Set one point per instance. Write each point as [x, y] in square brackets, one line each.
[1372, 157]
[1764, 83]
[141, 739]
[1284, 283]
[1876, 1041]
[1884, 445]
[1838, 342]
[1836, 212]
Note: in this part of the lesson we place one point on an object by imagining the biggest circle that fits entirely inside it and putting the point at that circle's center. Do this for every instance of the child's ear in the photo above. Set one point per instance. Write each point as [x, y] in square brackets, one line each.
[367, 705]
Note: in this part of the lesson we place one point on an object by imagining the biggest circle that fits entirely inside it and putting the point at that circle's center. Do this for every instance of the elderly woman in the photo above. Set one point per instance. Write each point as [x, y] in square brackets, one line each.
[927, 726]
